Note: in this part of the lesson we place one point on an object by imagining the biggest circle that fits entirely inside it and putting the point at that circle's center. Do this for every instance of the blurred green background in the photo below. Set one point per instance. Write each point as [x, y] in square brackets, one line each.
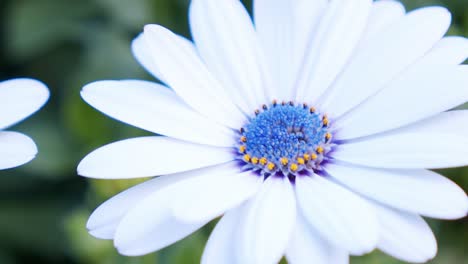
[68, 43]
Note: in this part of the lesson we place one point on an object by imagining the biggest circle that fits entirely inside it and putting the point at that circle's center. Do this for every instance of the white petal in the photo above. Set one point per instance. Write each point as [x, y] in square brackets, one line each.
[405, 236]
[149, 227]
[384, 56]
[383, 14]
[15, 149]
[285, 29]
[407, 150]
[150, 224]
[419, 191]
[142, 54]
[167, 231]
[307, 16]
[19, 98]
[209, 197]
[227, 42]
[452, 122]
[448, 51]
[336, 38]
[307, 246]
[340, 216]
[149, 156]
[104, 220]
[268, 223]
[184, 72]
[418, 94]
[220, 247]
[155, 108]
[104, 232]
[274, 22]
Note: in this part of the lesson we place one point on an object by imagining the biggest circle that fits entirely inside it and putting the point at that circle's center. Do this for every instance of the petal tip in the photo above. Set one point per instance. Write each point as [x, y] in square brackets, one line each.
[151, 28]
[82, 168]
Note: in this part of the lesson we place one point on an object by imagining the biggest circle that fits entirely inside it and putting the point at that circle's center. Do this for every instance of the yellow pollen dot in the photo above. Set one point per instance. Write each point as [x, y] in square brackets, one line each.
[294, 167]
[313, 156]
[325, 121]
[271, 166]
[320, 150]
[243, 139]
[242, 149]
[306, 156]
[246, 157]
[312, 109]
[301, 161]
[328, 136]
[284, 161]
[263, 161]
[254, 160]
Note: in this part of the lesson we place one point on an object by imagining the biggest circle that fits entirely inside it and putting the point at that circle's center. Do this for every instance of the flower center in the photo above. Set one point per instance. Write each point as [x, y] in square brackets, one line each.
[285, 139]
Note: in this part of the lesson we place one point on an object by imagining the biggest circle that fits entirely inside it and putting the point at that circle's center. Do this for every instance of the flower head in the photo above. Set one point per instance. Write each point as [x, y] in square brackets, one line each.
[310, 130]
[19, 98]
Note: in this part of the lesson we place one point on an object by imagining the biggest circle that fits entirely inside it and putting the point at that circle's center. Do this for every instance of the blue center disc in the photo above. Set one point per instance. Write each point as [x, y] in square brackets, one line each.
[284, 134]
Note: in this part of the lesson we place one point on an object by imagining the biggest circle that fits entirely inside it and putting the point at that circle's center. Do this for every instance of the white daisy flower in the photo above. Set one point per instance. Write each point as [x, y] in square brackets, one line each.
[310, 130]
[19, 98]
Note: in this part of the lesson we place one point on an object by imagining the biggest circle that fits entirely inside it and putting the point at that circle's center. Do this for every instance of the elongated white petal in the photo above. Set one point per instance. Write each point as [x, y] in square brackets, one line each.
[220, 193]
[275, 23]
[142, 54]
[198, 88]
[227, 42]
[448, 51]
[307, 17]
[383, 14]
[15, 149]
[104, 232]
[407, 150]
[148, 228]
[149, 156]
[150, 224]
[419, 191]
[157, 109]
[19, 98]
[385, 56]
[336, 38]
[268, 223]
[341, 217]
[221, 245]
[448, 126]
[405, 236]
[433, 89]
[452, 122]
[104, 220]
[307, 246]
[166, 231]
[286, 29]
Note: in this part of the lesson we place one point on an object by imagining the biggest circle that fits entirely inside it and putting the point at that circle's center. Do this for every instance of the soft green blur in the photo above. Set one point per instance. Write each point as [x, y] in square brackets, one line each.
[44, 205]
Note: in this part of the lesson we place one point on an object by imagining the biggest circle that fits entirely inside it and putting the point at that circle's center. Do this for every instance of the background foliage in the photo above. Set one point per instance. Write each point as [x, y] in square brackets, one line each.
[44, 205]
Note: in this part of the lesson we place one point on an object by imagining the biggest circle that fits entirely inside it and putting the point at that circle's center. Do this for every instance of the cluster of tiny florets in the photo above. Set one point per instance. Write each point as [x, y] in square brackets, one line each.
[285, 138]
